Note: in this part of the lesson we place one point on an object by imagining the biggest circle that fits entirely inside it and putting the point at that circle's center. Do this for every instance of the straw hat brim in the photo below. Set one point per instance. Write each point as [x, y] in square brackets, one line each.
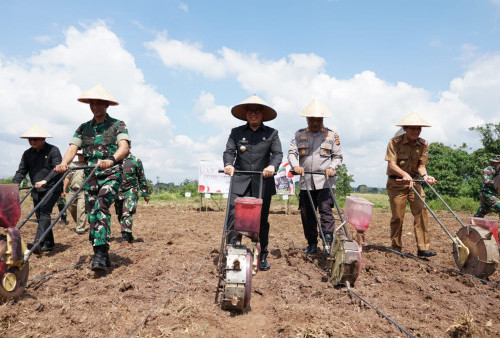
[240, 110]
[98, 93]
[36, 132]
[413, 120]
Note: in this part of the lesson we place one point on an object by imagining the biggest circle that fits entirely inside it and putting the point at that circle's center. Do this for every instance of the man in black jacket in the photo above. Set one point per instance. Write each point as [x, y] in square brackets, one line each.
[253, 147]
[39, 162]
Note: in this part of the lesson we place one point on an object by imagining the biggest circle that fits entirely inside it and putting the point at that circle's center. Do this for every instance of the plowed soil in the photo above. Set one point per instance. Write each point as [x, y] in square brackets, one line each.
[164, 285]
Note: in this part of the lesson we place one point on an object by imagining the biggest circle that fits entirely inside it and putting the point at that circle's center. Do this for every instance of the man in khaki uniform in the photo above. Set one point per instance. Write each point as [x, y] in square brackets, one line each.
[406, 157]
[316, 148]
[73, 182]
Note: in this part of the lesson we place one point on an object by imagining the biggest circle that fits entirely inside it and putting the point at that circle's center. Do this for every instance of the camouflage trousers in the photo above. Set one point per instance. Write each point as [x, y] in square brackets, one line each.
[100, 192]
[488, 202]
[61, 202]
[125, 208]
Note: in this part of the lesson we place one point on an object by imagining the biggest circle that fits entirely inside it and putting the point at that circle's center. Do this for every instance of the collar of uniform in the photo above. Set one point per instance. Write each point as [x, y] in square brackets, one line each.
[405, 140]
[247, 126]
[322, 130]
[94, 122]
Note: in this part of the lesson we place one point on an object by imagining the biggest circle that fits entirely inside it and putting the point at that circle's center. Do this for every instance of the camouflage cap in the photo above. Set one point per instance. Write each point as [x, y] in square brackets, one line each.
[495, 158]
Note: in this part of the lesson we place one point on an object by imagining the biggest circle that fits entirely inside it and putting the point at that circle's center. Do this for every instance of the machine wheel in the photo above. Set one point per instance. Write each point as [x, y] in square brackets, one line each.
[483, 251]
[346, 261]
[248, 284]
[13, 282]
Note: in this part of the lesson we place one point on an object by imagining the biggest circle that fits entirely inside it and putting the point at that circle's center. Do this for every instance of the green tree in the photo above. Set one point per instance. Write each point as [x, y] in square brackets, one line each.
[490, 138]
[457, 171]
[343, 181]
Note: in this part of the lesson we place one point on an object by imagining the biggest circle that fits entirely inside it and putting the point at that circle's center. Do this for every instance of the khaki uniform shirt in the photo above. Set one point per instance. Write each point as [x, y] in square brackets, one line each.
[407, 156]
[315, 152]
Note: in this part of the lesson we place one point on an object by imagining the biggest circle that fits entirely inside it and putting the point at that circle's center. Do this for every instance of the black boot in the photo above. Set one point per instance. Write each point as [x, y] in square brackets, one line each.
[126, 237]
[311, 248]
[328, 241]
[64, 220]
[99, 259]
[263, 264]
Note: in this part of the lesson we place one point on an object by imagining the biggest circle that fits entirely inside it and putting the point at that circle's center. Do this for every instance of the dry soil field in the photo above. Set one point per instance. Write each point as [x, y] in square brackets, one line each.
[164, 283]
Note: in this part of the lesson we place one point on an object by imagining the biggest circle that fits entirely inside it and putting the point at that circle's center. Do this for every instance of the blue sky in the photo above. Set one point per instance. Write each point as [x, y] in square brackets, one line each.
[177, 67]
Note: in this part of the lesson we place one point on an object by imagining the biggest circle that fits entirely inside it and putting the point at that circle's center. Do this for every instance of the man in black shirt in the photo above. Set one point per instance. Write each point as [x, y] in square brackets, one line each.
[253, 147]
[39, 162]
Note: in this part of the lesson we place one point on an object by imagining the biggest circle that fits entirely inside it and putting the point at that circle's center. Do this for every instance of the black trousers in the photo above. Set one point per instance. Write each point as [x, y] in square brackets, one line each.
[43, 216]
[264, 215]
[323, 202]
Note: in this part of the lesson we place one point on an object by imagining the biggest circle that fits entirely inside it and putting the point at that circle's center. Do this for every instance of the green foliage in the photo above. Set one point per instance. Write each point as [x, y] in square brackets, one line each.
[490, 137]
[458, 172]
[462, 203]
[6, 180]
[343, 181]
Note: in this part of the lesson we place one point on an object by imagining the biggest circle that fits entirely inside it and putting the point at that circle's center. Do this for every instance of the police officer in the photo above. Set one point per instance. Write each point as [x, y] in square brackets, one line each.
[488, 196]
[39, 162]
[133, 183]
[406, 157]
[105, 142]
[316, 148]
[73, 182]
[253, 147]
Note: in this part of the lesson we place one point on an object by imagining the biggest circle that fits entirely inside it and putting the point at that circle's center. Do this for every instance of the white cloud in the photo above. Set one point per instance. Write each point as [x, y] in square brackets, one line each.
[365, 108]
[43, 90]
[184, 7]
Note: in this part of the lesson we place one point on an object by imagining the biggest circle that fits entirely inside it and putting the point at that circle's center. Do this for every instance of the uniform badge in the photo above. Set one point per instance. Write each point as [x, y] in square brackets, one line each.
[302, 151]
[402, 162]
[337, 140]
[417, 151]
[263, 139]
[243, 148]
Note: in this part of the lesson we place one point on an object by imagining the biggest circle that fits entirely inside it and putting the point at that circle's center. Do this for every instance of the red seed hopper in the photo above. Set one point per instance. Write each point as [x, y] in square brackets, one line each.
[13, 271]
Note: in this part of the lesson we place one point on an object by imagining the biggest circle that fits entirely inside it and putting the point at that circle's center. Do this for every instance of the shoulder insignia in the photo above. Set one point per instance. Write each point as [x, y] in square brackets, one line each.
[397, 139]
[337, 140]
[421, 140]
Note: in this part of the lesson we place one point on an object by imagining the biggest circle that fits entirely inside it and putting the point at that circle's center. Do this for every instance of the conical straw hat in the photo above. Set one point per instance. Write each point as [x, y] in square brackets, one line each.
[240, 112]
[36, 132]
[315, 109]
[414, 120]
[98, 93]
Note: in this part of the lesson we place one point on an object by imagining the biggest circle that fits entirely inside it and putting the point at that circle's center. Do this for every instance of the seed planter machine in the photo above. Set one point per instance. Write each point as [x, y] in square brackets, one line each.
[343, 254]
[14, 254]
[238, 262]
[475, 246]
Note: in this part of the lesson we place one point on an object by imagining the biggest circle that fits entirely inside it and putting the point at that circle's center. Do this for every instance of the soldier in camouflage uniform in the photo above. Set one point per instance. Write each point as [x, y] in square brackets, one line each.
[61, 202]
[133, 182]
[105, 142]
[488, 196]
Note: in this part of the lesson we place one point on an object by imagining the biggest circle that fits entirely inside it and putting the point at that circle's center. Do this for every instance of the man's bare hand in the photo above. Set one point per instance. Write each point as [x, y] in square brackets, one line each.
[299, 170]
[40, 184]
[431, 180]
[268, 171]
[105, 164]
[229, 170]
[61, 168]
[329, 172]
